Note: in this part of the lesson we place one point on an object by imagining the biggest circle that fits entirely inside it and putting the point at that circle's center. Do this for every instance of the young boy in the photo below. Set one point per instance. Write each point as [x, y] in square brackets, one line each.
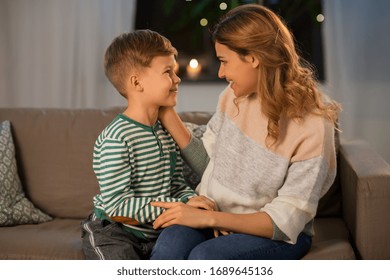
[135, 159]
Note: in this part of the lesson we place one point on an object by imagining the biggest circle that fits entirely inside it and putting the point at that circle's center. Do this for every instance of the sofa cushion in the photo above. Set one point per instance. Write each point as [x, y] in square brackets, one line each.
[15, 207]
[331, 241]
[54, 155]
[59, 239]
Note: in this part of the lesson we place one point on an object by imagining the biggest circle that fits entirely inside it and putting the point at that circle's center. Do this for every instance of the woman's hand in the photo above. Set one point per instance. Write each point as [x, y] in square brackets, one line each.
[172, 122]
[164, 112]
[202, 202]
[178, 213]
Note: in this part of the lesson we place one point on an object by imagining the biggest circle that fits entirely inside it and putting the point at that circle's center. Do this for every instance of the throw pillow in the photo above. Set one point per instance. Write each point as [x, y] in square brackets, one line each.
[190, 176]
[15, 208]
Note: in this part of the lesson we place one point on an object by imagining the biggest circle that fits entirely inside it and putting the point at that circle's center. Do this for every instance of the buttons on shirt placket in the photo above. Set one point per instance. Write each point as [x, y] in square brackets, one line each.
[154, 130]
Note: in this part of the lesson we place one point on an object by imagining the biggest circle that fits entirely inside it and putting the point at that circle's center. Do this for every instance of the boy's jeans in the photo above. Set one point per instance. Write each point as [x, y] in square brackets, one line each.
[180, 242]
[104, 240]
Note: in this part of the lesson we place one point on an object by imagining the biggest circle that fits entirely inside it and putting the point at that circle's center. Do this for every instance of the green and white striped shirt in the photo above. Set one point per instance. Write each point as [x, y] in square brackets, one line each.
[136, 164]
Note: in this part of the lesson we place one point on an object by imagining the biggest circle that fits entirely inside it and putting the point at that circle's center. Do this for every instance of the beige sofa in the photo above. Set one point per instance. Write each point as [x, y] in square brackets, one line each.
[54, 155]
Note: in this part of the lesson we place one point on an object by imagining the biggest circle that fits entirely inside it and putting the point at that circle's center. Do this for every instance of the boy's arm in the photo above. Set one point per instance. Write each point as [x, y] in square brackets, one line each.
[111, 164]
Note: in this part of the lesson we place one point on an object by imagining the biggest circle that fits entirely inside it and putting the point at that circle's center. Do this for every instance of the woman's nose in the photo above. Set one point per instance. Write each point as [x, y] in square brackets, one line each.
[221, 72]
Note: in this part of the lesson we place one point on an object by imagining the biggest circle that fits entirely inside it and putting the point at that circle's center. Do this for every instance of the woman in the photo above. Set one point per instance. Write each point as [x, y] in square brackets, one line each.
[267, 155]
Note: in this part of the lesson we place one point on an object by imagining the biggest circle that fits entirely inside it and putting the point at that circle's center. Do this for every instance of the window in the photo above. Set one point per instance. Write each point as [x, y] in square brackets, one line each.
[186, 24]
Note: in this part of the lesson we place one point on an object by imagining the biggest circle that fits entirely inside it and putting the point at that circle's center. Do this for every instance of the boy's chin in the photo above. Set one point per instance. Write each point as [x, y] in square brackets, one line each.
[173, 101]
[169, 104]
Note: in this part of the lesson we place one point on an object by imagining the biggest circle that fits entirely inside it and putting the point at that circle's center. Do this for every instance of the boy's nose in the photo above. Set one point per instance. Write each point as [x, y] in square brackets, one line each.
[176, 79]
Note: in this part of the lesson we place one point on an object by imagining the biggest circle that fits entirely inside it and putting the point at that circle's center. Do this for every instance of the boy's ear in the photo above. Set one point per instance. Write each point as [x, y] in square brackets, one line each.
[135, 82]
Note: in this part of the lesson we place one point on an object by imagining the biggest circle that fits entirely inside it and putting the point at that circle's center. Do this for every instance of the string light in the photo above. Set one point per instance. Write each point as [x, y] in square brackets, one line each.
[193, 69]
[194, 63]
[223, 6]
[204, 22]
[320, 18]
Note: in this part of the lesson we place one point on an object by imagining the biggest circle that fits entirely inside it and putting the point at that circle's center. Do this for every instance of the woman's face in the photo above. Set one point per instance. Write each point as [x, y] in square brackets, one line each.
[240, 73]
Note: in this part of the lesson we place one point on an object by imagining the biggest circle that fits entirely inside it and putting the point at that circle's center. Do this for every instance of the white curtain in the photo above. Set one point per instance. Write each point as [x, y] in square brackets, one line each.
[51, 55]
[51, 51]
[357, 59]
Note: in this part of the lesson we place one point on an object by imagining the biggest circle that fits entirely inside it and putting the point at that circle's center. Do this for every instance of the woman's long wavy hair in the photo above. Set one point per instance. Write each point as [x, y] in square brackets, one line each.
[286, 83]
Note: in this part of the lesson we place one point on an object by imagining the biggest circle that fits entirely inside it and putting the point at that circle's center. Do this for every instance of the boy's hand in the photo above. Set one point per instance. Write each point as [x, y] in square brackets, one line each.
[202, 202]
[221, 232]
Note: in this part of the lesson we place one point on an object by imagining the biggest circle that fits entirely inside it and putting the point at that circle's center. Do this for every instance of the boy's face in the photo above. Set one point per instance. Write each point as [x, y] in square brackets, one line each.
[160, 82]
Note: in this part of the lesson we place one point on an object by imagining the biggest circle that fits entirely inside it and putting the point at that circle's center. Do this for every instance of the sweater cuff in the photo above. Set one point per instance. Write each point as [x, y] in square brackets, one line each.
[195, 155]
[278, 234]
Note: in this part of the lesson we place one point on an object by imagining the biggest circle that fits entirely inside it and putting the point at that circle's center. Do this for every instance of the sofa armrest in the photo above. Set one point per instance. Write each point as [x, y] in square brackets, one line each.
[365, 183]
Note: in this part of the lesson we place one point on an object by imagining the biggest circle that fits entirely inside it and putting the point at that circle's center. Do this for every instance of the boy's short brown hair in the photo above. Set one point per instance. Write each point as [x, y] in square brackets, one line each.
[133, 50]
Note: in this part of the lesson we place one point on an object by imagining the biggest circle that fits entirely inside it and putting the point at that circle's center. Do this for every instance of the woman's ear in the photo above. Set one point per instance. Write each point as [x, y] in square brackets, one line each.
[253, 60]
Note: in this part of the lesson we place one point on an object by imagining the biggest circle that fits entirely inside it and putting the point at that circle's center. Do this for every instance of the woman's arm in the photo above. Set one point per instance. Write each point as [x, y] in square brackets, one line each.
[172, 122]
[259, 224]
[192, 149]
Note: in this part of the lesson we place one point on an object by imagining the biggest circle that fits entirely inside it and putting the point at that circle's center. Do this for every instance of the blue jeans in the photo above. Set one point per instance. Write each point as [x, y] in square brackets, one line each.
[184, 243]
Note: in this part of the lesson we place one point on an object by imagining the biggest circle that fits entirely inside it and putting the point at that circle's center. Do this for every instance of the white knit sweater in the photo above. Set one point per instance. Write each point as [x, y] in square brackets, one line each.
[244, 176]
